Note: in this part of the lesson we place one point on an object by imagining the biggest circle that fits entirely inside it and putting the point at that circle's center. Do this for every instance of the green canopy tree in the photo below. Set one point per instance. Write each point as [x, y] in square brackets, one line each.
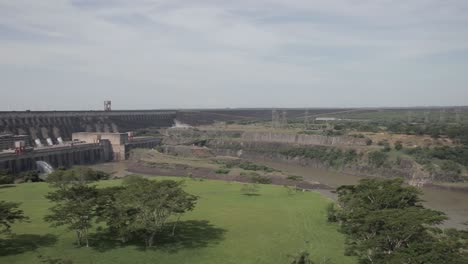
[117, 217]
[145, 207]
[74, 208]
[10, 213]
[386, 223]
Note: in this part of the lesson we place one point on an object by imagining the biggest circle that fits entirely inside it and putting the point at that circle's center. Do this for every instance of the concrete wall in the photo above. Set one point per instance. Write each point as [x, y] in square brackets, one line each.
[43, 125]
[57, 156]
[117, 141]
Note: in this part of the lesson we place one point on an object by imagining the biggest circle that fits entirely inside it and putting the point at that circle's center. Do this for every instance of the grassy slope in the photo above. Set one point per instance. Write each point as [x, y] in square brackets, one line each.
[241, 229]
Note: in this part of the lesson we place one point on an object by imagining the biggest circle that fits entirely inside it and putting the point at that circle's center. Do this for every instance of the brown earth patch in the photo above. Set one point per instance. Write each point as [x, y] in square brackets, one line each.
[177, 170]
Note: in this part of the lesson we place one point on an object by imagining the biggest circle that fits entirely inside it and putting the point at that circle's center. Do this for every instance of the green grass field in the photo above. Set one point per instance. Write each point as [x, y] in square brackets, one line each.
[225, 227]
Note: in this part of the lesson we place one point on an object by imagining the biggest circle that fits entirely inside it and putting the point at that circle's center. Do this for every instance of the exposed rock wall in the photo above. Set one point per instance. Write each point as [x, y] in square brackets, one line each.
[302, 139]
[269, 152]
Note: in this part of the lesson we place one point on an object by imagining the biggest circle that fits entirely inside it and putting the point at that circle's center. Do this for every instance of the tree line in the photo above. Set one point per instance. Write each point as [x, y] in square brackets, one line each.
[385, 222]
[139, 209]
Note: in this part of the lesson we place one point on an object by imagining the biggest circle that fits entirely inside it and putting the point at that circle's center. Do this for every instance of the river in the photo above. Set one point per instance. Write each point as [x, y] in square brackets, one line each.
[452, 203]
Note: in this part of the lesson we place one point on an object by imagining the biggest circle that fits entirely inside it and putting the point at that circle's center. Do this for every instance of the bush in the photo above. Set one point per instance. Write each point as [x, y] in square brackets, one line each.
[382, 143]
[246, 165]
[30, 176]
[378, 158]
[398, 145]
[295, 178]
[451, 167]
[222, 171]
[250, 189]
[7, 179]
[333, 157]
[260, 179]
[369, 142]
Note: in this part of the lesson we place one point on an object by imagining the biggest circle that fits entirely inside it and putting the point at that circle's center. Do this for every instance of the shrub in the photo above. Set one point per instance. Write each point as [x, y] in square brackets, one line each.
[378, 158]
[7, 179]
[451, 167]
[333, 157]
[260, 179]
[247, 165]
[398, 145]
[222, 171]
[295, 178]
[250, 189]
[30, 176]
[369, 142]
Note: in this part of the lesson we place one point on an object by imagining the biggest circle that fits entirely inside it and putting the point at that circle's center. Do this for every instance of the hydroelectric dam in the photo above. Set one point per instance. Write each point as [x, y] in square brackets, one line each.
[67, 138]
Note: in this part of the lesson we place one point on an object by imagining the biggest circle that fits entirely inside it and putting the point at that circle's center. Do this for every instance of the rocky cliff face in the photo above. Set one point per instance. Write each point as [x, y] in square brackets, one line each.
[266, 151]
[301, 139]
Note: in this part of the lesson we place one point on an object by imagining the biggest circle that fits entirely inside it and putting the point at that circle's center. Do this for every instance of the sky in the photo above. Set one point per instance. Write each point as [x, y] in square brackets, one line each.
[159, 54]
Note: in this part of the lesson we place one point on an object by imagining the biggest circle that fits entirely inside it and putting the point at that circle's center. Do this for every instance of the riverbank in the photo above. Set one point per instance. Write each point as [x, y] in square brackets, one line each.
[452, 203]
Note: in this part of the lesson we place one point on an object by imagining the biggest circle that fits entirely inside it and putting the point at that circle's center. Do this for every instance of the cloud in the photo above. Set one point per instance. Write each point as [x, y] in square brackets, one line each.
[152, 54]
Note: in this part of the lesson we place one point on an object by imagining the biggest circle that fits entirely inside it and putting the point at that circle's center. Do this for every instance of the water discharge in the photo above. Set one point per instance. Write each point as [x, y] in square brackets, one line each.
[44, 169]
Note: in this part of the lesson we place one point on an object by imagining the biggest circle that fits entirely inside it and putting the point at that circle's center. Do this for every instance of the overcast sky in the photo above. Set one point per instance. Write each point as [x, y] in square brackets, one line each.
[148, 54]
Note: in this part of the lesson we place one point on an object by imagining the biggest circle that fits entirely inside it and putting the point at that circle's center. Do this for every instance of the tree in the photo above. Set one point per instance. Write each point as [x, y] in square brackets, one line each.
[386, 223]
[250, 189]
[117, 217]
[74, 208]
[152, 204]
[10, 213]
[76, 175]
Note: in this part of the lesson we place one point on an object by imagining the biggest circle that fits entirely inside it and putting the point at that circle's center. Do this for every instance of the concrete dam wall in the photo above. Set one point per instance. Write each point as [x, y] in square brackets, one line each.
[43, 125]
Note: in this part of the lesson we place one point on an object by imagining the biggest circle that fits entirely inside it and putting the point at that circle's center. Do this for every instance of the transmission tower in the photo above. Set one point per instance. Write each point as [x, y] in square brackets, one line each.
[273, 118]
[284, 119]
[306, 119]
[457, 115]
[442, 115]
[426, 117]
[409, 114]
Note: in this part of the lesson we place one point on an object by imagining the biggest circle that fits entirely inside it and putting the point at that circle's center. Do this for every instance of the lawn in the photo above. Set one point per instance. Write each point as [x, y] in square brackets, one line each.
[225, 227]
